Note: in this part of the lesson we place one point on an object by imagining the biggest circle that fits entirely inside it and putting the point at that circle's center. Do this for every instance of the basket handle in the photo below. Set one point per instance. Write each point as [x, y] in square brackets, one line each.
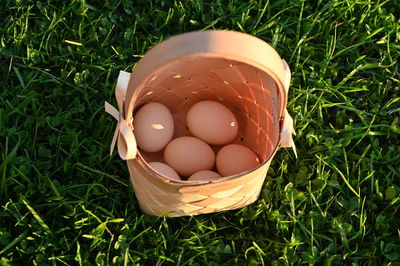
[127, 148]
[287, 123]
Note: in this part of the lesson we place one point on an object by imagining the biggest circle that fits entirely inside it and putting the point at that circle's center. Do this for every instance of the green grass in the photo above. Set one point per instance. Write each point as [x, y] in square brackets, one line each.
[64, 201]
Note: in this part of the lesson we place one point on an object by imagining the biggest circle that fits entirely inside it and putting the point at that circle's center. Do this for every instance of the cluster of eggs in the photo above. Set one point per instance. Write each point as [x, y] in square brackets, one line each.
[191, 157]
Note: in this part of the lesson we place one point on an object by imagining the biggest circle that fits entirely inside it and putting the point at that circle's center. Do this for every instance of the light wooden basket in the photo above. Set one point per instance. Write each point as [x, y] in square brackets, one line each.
[238, 70]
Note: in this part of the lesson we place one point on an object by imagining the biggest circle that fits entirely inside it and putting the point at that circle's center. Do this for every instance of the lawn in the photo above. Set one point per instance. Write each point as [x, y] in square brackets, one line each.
[65, 201]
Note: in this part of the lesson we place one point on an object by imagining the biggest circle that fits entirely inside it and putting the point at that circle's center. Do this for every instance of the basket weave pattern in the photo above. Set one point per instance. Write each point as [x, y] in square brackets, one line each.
[180, 200]
[250, 94]
[188, 69]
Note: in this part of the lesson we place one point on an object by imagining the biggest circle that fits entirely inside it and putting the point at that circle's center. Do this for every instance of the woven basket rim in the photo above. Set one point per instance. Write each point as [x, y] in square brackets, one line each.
[134, 84]
[239, 59]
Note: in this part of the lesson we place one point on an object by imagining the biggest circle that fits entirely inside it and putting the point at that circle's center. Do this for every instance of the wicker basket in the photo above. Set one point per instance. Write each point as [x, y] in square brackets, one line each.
[238, 70]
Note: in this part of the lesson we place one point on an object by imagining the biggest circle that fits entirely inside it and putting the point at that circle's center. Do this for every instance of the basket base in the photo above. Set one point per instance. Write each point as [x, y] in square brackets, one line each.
[159, 197]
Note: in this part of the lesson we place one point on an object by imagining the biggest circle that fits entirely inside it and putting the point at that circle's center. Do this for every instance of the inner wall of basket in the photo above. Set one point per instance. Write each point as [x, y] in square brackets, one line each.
[250, 93]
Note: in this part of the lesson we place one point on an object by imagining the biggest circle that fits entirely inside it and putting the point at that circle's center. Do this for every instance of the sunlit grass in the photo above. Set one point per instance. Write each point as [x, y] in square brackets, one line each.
[64, 201]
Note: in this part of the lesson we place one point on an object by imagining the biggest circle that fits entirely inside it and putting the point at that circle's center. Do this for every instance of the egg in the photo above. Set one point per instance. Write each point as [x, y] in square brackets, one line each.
[188, 155]
[212, 122]
[165, 169]
[153, 127]
[204, 175]
[233, 159]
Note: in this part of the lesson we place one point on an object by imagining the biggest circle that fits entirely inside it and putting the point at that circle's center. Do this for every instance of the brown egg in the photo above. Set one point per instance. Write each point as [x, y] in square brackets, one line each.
[233, 159]
[188, 155]
[165, 169]
[204, 175]
[212, 122]
[153, 127]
